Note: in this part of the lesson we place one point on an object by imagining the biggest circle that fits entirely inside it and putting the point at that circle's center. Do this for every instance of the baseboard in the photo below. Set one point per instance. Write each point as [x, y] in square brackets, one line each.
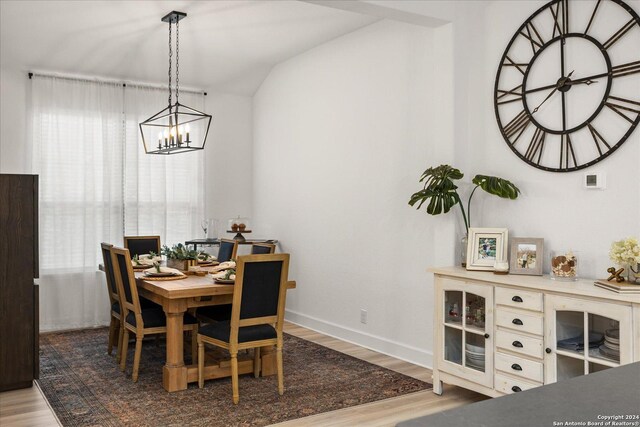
[395, 349]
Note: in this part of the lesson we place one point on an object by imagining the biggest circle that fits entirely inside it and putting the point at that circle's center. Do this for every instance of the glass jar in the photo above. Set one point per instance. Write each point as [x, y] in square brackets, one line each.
[564, 265]
[463, 251]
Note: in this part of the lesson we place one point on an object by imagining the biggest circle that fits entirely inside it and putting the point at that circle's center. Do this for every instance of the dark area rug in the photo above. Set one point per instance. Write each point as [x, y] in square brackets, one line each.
[86, 388]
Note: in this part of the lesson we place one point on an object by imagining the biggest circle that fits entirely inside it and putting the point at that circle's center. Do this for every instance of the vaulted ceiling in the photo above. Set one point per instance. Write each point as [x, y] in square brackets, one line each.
[227, 46]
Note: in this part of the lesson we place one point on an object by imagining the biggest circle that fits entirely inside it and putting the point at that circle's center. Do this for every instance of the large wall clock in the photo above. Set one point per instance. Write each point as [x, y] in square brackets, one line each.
[567, 91]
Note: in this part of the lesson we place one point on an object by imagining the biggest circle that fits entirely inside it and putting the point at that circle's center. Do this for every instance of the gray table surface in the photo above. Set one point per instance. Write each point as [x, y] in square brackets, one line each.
[589, 398]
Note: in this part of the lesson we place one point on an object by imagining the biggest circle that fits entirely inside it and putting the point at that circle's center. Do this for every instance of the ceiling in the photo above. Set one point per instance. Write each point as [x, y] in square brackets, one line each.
[225, 46]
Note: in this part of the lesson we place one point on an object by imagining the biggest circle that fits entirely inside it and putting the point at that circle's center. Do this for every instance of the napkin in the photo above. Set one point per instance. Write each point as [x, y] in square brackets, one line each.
[222, 274]
[164, 270]
[223, 266]
[145, 259]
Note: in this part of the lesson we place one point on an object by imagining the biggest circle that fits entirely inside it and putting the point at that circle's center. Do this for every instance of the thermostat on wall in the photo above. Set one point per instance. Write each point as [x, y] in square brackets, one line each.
[596, 181]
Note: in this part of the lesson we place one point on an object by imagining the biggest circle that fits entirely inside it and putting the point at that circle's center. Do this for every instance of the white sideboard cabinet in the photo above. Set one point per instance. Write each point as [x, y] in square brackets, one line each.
[499, 334]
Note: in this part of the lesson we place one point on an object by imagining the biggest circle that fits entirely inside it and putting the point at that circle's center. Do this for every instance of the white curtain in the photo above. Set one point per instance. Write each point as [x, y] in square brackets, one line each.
[97, 185]
[164, 195]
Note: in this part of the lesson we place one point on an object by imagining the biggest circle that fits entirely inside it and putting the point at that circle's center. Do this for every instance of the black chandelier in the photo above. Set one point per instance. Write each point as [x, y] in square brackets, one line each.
[178, 128]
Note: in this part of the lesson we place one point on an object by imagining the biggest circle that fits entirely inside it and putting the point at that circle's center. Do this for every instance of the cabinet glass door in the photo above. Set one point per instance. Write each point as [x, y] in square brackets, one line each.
[585, 337]
[465, 323]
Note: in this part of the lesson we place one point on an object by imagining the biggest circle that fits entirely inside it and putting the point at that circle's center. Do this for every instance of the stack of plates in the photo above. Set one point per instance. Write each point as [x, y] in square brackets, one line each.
[475, 356]
[611, 346]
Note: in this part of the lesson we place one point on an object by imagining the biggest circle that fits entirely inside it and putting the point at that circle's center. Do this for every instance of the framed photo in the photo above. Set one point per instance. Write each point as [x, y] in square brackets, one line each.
[527, 255]
[485, 247]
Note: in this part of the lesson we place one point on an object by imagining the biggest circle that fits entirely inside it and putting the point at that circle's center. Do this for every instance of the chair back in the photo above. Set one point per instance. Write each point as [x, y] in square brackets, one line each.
[140, 245]
[228, 250]
[112, 286]
[262, 248]
[259, 292]
[126, 282]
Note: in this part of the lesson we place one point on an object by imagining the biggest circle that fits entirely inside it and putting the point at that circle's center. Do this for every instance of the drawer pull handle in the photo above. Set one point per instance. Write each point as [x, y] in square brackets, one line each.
[517, 322]
[517, 344]
[516, 389]
[516, 299]
[516, 367]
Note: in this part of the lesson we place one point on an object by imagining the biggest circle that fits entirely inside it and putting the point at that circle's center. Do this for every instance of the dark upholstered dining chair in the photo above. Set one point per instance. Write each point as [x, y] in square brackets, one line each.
[115, 325]
[257, 316]
[262, 248]
[140, 321]
[228, 250]
[140, 245]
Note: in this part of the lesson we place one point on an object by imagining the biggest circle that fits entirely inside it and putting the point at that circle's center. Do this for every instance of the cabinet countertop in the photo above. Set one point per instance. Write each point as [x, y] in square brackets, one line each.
[581, 287]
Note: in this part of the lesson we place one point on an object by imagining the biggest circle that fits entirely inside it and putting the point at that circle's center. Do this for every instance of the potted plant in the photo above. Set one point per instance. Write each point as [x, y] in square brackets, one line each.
[441, 192]
[180, 257]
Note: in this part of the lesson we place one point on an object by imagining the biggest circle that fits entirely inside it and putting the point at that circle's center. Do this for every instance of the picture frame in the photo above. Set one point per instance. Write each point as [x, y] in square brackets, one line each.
[486, 246]
[527, 256]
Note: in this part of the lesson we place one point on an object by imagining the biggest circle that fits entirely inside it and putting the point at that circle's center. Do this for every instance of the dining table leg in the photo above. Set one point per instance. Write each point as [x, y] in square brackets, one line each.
[174, 373]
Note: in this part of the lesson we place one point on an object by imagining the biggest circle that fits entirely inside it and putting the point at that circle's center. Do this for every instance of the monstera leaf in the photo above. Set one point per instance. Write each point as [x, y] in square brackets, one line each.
[497, 186]
[439, 189]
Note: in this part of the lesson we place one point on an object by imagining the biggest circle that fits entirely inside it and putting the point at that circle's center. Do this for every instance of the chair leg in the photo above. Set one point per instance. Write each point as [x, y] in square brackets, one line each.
[112, 332]
[256, 362]
[125, 348]
[234, 377]
[280, 373]
[120, 339]
[136, 357]
[200, 363]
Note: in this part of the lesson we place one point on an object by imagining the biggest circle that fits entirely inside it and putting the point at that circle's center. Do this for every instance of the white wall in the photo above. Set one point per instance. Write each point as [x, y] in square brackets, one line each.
[14, 152]
[554, 206]
[229, 162]
[341, 135]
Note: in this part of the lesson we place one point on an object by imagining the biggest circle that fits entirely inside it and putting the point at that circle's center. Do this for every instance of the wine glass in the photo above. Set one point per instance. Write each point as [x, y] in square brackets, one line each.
[205, 226]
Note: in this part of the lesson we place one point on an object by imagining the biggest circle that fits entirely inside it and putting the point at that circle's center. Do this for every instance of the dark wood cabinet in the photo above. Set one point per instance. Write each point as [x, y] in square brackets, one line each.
[18, 268]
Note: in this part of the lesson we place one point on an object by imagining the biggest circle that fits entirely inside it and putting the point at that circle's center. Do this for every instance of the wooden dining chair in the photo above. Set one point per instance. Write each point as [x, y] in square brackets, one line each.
[115, 324]
[262, 248]
[140, 245]
[257, 315]
[228, 250]
[137, 320]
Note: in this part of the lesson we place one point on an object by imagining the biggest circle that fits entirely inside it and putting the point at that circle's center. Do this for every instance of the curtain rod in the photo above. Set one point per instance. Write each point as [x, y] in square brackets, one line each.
[85, 79]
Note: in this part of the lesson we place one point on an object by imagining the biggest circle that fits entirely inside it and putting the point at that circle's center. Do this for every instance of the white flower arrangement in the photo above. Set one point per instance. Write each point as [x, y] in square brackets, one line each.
[625, 252]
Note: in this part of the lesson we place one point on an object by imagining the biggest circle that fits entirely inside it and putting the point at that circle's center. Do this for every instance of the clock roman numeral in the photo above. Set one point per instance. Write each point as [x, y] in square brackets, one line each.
[622, 106]
[533, 36]
[566, 148]
[597, 139]
[560, 23]
[510, 63]
[593, 15]
[621, 32]
[514, 94]
[517, 126]
[536, 146]
[625, 69]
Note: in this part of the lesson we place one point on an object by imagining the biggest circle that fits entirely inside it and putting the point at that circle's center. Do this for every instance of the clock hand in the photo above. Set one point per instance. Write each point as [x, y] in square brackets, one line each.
[558, 85]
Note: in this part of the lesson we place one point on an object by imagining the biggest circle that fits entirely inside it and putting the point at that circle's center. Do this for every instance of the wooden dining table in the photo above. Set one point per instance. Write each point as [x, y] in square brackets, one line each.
[176, 297]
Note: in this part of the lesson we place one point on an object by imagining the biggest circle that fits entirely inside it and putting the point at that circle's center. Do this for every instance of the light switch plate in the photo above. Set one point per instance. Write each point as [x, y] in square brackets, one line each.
[595, 180]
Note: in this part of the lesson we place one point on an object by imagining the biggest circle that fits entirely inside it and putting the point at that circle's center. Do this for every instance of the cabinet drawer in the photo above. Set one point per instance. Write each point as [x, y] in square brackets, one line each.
[520, 344]
[520, 367]
[519, 298]
[510, 385]
[519, 320]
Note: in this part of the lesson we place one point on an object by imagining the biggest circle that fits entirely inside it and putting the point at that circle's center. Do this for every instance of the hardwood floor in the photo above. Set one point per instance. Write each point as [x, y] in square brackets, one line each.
[28, 407]
[386, 412]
